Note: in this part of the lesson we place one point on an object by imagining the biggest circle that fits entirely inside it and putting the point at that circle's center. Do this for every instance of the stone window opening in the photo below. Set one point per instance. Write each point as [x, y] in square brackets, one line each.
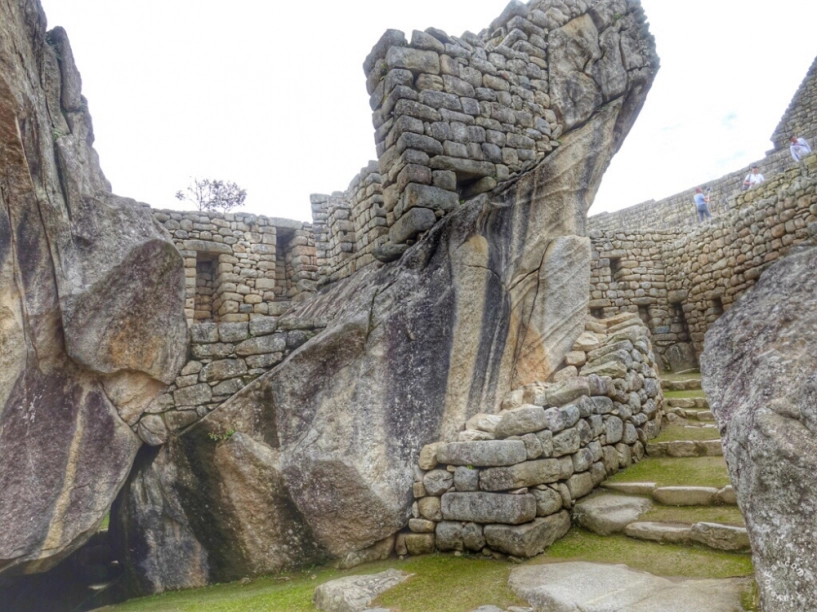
[597, 313]
[679, 322]
[206, 266]
[644, 313]
[284, 286]
[717, 307]
[615, 267]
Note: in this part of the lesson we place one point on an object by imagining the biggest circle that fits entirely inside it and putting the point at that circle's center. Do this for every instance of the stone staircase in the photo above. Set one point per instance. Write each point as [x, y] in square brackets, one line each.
[675, 510]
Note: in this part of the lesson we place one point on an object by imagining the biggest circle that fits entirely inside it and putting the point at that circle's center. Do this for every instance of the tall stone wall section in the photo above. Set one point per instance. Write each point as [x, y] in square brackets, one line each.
[800, 119]
[681, 282]
[678, 211]
[240, 266]
[455, 116]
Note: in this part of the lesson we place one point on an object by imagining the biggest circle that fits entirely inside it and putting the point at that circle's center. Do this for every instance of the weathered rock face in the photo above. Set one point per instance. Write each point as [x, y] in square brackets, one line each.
[760, 374]
[321, 461]
[91, 306]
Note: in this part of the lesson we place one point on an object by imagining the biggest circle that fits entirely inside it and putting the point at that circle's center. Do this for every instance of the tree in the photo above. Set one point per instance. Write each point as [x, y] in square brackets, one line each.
[210, 195]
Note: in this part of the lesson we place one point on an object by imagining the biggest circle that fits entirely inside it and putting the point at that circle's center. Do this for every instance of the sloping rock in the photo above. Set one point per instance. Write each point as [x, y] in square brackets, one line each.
[491, 298]
[758, 369]
[91, 306]
[591, 587]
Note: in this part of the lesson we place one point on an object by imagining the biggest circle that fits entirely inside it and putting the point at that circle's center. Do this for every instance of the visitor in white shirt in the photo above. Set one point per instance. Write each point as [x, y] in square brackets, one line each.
[799, 148]
[753, 178]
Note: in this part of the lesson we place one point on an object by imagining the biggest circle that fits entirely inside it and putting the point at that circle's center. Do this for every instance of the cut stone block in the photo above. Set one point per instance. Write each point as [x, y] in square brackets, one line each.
[527, 474]
[412, 223]
[605, 514]
[720, 537]
[489, 453]
[488, 508]
[685, 496]
[530, 539]
[671, 533]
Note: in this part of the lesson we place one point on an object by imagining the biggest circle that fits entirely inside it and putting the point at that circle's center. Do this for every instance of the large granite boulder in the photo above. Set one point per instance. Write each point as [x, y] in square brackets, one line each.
[91, 306]
[321, 462]
[760, 375]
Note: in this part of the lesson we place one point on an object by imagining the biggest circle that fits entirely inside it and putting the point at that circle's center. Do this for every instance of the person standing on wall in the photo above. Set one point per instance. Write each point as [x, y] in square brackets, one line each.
[799, 148]
[753, 179]
[701, 204]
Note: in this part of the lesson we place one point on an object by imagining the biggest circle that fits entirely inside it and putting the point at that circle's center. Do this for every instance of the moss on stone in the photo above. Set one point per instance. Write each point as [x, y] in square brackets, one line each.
[679, 432]
[728, 515]
[695, 393]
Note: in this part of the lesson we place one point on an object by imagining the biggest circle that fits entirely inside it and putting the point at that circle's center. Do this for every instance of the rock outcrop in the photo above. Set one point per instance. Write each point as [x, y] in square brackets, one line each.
[315, 458]
[91, 306]
[760, 374]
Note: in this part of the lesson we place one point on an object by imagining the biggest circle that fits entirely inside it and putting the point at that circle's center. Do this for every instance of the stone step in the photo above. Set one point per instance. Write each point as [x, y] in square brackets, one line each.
[713, 535]
[700, 403]
[678, 495]
[686, 448]
[692, 384]
[694, 496]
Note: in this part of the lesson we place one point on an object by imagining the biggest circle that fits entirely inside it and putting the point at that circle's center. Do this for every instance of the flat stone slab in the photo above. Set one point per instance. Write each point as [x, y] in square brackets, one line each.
[685, 496]
[721, 537]
[686, 448]
[592, 587]
[606, 513]
[671, 533]
[631, 488]
[355, 593]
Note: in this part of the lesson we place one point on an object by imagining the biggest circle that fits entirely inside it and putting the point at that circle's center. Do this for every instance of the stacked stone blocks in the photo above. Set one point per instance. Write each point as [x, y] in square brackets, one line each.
[506, 485]
[241, 266]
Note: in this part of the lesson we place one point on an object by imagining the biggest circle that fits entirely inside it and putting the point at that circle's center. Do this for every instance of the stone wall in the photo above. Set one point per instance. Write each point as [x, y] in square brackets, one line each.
[800, 119]
[681, 282]
[507, 484]
[225, 358]
[455, 116]
[240, 266]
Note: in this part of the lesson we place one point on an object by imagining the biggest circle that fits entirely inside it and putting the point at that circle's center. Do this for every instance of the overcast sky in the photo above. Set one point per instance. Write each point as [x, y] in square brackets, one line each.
[272, 95]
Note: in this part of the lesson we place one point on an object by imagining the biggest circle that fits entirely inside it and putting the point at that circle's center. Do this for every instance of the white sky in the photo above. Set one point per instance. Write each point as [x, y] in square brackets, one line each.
[272, 95]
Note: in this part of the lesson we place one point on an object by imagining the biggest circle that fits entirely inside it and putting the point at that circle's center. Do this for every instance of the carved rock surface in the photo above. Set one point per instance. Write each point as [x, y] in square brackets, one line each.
[91, 306]
[491, 298]
[759, 372]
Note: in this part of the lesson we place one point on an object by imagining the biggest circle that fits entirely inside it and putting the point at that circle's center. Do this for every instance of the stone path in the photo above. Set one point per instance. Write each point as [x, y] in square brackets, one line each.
[621, 508]
[594, 587]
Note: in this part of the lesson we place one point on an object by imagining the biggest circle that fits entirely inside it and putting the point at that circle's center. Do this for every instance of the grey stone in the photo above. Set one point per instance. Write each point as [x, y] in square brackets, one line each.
[466, 479]
[671, 533]
[413, 222]
[415, 60]
[204, 333]
[685, 496]
[548, 501]
[422, 525]
[420, 543]
[233, 332]
[275, 343]
[527, 474]
[152, 430]
[193, 396]
[449, 536]
[263, 326]
[222, 370]
[530, 539]
[355, 593]
[566, 443]
[522, 420]
[606, 514]
[580, 485]
[438, 482]
[488, 508]
[592, 587]
[720, 537]
[482, 454]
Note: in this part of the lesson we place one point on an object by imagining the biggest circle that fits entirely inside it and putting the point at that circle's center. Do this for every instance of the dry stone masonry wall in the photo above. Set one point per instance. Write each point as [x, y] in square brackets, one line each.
[454, 116]
[508, 482]
[240, 266]
[800, 119]
[681, 282]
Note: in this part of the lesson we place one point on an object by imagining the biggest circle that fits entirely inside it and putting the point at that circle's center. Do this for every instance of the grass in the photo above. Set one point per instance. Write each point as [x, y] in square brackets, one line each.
[476, 582]
[679, 432]
[666, 471]
[660, 559]
[683, 394]
[728, 515]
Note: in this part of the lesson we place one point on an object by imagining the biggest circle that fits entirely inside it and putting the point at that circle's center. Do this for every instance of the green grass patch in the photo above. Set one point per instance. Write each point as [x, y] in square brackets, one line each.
[659, 559]
[106, 522]
[695, 393]
[443, 583]
[728, 515]
[679, 432]
[666, 471]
